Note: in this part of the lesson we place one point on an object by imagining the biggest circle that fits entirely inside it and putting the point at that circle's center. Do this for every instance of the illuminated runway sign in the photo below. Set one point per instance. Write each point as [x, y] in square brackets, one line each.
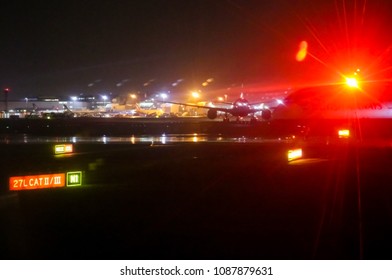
[33, 182]
[63, 149]
[46, 181]
[74, 179]
[344, 133]
[294, 154]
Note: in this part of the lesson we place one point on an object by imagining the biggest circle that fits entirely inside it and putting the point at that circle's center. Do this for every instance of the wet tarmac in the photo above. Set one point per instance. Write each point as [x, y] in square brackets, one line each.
[198, 196]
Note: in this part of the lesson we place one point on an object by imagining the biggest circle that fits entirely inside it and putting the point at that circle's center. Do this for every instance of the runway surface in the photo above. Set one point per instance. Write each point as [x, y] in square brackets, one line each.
[198, 196]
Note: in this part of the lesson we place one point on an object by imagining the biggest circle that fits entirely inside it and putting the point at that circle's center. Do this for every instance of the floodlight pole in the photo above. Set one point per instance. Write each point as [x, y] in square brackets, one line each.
[6, 90]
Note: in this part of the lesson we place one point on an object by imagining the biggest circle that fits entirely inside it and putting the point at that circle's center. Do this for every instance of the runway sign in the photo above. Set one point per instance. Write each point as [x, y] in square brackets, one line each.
[63, 149]
[32, 182]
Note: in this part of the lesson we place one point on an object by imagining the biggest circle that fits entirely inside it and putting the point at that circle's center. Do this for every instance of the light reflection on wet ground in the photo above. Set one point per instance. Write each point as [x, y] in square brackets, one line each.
[143, 139]
[230, 193]
[167, 139]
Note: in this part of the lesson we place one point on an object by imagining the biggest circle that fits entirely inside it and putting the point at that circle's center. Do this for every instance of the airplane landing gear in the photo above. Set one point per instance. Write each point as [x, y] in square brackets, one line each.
[226, 118]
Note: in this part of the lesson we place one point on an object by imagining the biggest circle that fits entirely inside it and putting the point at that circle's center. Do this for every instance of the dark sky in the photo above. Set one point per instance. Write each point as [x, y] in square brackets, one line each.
[93, 47]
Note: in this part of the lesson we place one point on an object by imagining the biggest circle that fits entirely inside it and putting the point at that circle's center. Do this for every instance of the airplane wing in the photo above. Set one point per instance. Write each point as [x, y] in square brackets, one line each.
[222, 109]
[234, 111]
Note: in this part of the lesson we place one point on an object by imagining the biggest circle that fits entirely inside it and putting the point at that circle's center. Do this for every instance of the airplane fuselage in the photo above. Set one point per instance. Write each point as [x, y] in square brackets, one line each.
[335, 102]
[241, 108]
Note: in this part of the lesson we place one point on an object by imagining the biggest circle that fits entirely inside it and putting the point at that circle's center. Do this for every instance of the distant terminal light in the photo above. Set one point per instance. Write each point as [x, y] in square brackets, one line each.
[344, 133]
[195, 94]
[294, 154]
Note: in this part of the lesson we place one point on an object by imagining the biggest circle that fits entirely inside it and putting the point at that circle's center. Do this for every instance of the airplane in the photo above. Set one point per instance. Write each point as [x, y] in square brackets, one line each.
[338, 101]
[239, 108]
[328, 108]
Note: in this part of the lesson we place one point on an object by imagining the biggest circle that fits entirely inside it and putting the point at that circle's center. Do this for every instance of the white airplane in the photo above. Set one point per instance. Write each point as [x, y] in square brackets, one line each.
[239, 108]
[366, 100]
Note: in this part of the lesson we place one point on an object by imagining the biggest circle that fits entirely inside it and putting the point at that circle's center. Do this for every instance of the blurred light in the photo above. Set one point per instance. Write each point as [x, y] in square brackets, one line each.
[302, 52]
[163, 95]
[74, 98]
[294, 154]
[307, 161]
[195, 94]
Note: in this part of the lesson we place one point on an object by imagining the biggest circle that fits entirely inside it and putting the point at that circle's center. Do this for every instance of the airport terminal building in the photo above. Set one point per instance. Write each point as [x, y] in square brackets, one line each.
[20, 108]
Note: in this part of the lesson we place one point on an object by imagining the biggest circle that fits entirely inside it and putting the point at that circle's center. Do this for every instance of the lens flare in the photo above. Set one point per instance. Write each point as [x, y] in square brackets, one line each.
[352, 82]
[302, 51]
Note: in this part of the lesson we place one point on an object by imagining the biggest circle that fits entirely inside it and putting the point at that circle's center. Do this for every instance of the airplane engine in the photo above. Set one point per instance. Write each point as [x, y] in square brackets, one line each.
[266, 114]
[212, 114]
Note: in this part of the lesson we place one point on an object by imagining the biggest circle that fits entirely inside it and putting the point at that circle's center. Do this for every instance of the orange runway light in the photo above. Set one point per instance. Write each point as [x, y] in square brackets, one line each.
[63, 149]
[33, 182]
[344, 133]
[294, 154]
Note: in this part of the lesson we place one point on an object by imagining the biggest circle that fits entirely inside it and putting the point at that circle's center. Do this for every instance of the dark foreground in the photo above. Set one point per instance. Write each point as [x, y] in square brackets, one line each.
[200, 201]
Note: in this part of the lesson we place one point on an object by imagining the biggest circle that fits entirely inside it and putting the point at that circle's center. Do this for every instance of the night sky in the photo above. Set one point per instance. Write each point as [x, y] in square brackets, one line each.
[64, 48]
